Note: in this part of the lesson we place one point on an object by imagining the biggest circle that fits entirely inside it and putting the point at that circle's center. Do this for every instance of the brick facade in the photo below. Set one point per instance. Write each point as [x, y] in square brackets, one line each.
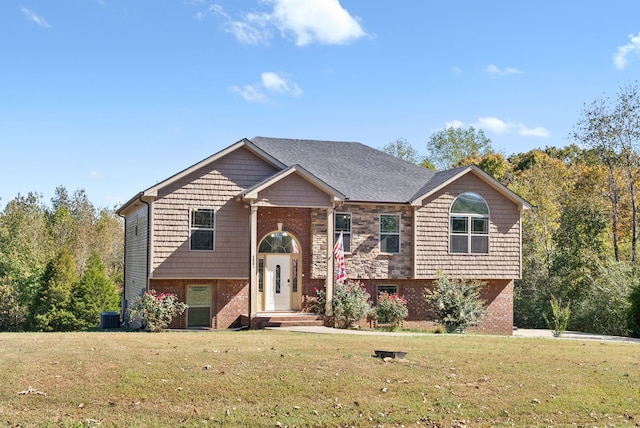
[229, 299]
[497, 294]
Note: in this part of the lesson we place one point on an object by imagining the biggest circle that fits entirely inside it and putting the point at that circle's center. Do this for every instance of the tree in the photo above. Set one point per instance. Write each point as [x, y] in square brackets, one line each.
[25, 245]
[611, 129]
[545, 183]
[449, 146]
[93, 293]
[493, 164]
[50, 310]
[12, 314]
[402, 149]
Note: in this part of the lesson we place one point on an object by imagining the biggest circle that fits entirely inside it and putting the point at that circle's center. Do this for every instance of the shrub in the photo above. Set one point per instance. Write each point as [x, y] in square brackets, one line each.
[12, 314]
[559, 317]
[391, 309]
[318, 303]
[633, 318]
[155, 311]
[456, 302]
[350, 303]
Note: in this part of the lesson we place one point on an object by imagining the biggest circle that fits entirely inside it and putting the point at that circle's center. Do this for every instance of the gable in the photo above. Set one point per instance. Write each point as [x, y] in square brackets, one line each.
[446, 178]
[293, 191]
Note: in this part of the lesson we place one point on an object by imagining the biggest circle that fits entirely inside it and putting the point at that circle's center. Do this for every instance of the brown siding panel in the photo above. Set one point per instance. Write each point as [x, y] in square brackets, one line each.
[212, 187]
[293, 191]
[432, 223]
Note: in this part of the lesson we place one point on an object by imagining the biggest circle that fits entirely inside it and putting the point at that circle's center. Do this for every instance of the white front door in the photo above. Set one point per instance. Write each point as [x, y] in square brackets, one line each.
[278, 283]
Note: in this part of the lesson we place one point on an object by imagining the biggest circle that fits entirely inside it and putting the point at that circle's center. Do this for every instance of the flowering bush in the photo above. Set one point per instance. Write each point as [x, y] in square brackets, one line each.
[456, 303]
[318, 303]
[350, 303]
[391, 309]
[155, 311]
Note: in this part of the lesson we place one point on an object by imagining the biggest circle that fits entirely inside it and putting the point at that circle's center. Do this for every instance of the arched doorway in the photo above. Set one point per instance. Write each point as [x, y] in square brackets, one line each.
[279, 273]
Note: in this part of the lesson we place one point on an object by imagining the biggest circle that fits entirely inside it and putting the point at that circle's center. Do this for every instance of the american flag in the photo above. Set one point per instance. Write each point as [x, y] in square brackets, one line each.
[338, 253]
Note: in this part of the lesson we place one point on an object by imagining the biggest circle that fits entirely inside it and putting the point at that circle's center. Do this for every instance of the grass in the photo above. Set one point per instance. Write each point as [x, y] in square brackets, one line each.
[278, 379]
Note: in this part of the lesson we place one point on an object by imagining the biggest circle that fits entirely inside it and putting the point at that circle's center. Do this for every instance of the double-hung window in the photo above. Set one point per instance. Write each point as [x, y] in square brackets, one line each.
[390, 233]
[343, 225]
[469, 225]
[202, 229]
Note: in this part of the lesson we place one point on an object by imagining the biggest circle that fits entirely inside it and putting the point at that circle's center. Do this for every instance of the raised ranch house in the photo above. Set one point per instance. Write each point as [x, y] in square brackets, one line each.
[245, 236]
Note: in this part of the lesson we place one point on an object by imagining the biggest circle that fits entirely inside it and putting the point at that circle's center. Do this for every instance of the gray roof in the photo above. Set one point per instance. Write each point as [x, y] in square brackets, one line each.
[358, 171]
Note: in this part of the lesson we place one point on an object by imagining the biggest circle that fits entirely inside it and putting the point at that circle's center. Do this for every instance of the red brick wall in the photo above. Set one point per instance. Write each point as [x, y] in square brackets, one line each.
[229, 299]
[498, 295]
[296, 221]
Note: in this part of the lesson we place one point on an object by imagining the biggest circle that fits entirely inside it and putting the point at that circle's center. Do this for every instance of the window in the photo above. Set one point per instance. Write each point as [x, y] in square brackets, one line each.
[199, 306]
[343, 224]
[389, 289]
[260, 275]
[390, 233]
[202, 227]
[469, 225]
[279, 242]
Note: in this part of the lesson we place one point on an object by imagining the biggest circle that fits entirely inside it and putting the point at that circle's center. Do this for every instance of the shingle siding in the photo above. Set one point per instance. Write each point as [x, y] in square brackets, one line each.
[212, 187]
[432, 246]
[293, 191]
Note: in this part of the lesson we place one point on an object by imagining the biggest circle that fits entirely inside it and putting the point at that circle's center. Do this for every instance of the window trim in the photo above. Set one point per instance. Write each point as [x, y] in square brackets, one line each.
[398, 233]
[212, 229]
[344, 232]
[469, 232]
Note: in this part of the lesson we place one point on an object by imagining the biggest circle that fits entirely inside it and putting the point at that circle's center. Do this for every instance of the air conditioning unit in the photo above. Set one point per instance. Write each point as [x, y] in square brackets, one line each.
[109, 320]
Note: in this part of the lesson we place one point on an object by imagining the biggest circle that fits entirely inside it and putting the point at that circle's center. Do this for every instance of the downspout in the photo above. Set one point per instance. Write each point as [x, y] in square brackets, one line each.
[123, 300]
[149, 231]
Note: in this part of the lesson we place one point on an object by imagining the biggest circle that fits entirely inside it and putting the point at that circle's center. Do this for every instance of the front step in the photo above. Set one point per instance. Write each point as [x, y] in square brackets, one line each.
[295, 319]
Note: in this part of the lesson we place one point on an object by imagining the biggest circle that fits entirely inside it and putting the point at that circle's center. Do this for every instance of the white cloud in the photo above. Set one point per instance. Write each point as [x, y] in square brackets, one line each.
[318, 21]
[620, 58]
[493, 124]
[278, 83]
[500, 127]
[271, 82]
[321, 21]
[454, 124]
[95, 175]
[31, 16]
[456, 70]
[251, 93]
[494, 70]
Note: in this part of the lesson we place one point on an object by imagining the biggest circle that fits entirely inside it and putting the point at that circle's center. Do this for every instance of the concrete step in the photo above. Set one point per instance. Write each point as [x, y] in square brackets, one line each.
[289, 320]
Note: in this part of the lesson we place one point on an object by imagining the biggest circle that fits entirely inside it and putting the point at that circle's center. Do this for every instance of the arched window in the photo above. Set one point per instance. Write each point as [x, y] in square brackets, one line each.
[469, 224]
[279, 242]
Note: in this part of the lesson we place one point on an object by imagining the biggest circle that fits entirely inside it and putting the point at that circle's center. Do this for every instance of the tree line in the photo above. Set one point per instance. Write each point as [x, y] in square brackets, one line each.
[580, 240]
[61, 264]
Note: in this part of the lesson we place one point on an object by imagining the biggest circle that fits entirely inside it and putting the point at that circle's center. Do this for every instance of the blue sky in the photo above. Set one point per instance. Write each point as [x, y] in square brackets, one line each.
[112, 96]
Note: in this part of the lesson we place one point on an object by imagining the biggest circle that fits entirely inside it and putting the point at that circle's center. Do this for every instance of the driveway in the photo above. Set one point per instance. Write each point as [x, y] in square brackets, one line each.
[522, 332]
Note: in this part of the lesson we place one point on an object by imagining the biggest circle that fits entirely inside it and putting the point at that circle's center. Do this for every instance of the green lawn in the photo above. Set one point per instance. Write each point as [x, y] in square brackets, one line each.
[278, 378]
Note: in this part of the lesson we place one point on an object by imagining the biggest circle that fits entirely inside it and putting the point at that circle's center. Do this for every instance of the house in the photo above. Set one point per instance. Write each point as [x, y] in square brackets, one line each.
[249, 231]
